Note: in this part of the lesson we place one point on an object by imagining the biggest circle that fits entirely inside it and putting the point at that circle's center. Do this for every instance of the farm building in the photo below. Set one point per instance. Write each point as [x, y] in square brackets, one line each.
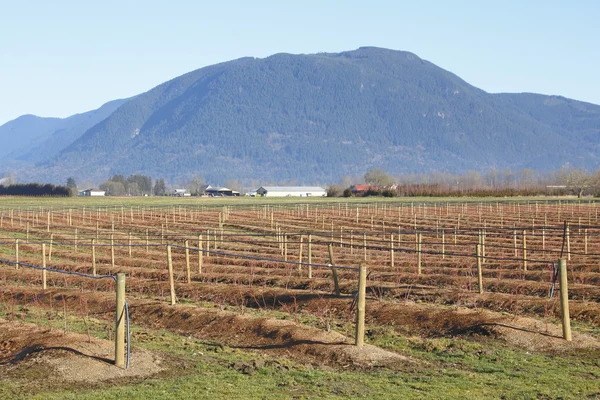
[92, 193]
[181, 193]
[220, 191]
[291, 191]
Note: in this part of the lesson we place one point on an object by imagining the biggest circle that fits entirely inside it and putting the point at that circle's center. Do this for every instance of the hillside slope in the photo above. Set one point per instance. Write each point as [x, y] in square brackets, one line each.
[34, 139]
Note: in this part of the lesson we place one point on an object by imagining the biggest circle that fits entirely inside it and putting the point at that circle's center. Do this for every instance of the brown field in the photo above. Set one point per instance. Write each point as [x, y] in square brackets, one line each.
[255, 260]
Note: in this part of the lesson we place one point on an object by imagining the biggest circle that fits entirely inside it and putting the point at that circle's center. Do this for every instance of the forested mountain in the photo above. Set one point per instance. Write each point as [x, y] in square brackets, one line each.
[34, 139]
[313, 118]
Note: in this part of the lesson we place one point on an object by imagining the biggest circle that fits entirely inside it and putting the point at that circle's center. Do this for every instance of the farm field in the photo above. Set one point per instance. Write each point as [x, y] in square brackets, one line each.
[265, 294]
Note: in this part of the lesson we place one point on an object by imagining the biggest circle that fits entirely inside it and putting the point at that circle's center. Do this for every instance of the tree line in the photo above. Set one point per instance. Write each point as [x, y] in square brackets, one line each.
[496, 183]
[35, 189]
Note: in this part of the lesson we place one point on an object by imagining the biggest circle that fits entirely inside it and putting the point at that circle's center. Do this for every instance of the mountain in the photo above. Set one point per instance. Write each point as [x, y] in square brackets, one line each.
[314, 118]
[32, 139]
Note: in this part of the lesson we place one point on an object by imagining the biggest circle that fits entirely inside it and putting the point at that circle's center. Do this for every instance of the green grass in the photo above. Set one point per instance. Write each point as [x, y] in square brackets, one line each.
[442, 368]
[166, 201]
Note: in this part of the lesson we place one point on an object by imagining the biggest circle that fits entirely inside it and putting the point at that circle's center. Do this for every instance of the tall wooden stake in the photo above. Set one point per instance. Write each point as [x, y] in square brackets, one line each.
[564, 299]
[44, 266]
[187, 262]
[336, 283]
[359, 336]
[120, 322]
[171, 279]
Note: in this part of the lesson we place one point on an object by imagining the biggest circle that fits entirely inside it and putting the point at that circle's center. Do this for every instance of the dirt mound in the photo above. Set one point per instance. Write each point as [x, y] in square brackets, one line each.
[66, 357]
[269, 335]
[451, 321]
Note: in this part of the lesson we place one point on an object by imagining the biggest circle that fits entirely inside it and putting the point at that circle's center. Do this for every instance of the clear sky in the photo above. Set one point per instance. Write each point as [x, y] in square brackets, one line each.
[62, 57]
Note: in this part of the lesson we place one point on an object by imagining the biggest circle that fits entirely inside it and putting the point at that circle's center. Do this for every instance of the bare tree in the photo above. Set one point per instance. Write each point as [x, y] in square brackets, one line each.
[575, 179]
[378, 177]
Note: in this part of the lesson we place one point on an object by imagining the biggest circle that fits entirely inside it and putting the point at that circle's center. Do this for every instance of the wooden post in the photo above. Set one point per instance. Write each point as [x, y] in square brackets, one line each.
[50, 248]
[479, 268]
[336, 282]
[585, 241]
[564, 299]
[94, 257]
[120, 322]
[130, 244]
[568, 244]
[309, 256]
[76, 239]
[365, 246]
[392, 250]
[147, 240]
[112, 250]
[285, 249]
[524, 250]
[44, 266]
[443, 244]
[359, 337]
[419, 257]
[543, 239]
[171, 281]
[515, 243]
[207, 243]
[300, 255]
[200, 254]
[187, 262]
[27, 234]
[17, 253]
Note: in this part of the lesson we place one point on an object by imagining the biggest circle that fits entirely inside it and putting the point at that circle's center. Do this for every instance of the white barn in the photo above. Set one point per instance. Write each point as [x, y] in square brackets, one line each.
[291, 191]
[92, 193]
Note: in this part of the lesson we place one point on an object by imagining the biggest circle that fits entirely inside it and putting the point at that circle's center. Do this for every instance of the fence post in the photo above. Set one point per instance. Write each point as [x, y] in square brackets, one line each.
[17, 253]
[309, 256]
[365, 246]
[359, 337]
[171, 282]
[392, 250]
[419, 257]
[443, 244]
[300, 254]
[187, 261]
[564, 300]
[50, 248]
[44, 266]
[524, 250]
[336, 282]
[129, 244]
[94, 257]
[479, 269]
[120, 322]
[200, 254]
[112, 250]
[568, 243]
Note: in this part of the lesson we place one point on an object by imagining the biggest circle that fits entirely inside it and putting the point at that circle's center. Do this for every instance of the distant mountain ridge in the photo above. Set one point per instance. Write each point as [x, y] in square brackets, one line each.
[314, 118]
[30, 138]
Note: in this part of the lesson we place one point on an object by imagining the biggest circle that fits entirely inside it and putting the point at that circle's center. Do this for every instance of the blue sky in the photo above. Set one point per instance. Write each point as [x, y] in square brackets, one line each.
[62, 57]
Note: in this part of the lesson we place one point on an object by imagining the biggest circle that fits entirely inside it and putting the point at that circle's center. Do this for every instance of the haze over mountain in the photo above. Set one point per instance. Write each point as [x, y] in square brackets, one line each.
[314, 118]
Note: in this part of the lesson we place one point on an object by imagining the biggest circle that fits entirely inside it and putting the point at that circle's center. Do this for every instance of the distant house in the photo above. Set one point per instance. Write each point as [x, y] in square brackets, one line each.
[361, 189]
[92, 193]
[291, 191]
[181, 193]
[220, 192]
